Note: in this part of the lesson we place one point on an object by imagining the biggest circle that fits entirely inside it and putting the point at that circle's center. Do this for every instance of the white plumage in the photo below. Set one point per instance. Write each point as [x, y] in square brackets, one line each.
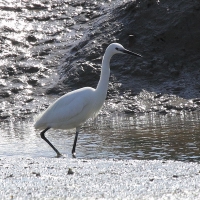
[70, 110]
[74, 108]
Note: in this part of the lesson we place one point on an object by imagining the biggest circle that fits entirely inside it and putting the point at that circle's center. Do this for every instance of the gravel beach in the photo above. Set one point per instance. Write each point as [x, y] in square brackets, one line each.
[67, 178]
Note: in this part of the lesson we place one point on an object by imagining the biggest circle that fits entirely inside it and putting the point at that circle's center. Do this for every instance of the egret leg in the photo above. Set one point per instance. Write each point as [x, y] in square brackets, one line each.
[44, 138]
[74, 145]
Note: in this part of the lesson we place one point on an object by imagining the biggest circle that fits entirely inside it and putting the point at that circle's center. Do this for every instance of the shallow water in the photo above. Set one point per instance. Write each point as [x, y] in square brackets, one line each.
[144, 136]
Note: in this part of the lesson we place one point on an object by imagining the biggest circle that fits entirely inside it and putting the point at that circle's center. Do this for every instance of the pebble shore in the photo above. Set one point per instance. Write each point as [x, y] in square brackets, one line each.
[67, 178]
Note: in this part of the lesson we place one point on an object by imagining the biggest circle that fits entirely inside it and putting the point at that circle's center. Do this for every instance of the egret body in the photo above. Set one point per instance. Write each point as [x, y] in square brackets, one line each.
[74, 108]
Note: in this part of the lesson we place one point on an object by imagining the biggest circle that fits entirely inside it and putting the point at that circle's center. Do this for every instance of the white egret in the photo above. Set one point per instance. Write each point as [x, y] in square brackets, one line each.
[74, 108]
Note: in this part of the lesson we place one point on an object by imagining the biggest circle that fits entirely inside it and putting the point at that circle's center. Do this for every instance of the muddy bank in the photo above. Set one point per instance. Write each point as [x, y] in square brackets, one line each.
[166, 34]
[64, 178]
[50, 48]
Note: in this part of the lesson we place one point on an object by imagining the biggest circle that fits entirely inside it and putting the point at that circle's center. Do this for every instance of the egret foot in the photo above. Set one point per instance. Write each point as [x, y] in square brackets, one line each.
[59, 155]
[74, 155]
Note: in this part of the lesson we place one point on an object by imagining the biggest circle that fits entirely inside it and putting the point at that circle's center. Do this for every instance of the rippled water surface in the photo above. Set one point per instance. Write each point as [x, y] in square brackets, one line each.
[146, 136]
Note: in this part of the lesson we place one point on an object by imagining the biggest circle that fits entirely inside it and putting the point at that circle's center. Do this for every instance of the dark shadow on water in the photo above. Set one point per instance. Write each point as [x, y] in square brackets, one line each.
[144, 136]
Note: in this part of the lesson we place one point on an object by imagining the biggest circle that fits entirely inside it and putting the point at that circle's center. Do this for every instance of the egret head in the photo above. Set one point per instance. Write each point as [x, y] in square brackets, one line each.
[115, 48]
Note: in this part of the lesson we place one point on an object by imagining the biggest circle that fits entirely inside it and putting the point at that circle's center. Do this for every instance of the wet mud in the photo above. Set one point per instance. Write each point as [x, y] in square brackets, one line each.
[48, 48]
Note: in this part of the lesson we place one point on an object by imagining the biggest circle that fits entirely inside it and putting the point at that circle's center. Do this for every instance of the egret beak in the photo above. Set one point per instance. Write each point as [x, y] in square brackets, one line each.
[131, 53]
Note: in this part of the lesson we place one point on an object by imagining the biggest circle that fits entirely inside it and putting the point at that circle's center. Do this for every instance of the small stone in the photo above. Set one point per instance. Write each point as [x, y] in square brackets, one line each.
[32, 81]
[5, 94]
[31, 38]
[36, 173]
[70, 172]
[30, 69]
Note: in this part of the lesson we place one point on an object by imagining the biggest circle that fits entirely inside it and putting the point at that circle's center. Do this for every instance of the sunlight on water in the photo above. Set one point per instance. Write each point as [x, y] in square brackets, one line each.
[147, 136]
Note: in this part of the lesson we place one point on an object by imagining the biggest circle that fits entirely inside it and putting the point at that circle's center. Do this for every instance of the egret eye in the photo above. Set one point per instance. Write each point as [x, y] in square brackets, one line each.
[117, 48]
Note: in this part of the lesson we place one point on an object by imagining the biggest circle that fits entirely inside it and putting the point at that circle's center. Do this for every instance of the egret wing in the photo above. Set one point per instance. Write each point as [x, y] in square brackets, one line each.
[64, 109]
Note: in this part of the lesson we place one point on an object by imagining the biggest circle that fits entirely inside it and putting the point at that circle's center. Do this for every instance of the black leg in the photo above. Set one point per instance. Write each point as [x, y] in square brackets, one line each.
[74, 146]
[44, 138]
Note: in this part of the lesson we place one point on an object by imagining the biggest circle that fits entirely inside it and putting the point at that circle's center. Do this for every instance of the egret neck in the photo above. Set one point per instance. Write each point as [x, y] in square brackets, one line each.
[102, 86]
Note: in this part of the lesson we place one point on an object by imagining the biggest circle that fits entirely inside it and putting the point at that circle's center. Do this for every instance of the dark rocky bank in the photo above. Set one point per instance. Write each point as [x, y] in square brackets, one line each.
[50, 48]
